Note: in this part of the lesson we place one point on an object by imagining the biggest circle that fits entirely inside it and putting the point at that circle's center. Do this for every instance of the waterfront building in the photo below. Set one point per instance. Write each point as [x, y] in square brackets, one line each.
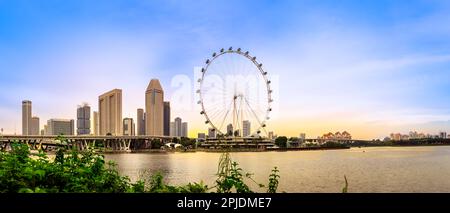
[34, 126]
[84, 120]
[128, 127]
[110, 113]
[166, 118]
[154, 108]
[246, 130]
[140, 121]
[60, 126]
[26, 117]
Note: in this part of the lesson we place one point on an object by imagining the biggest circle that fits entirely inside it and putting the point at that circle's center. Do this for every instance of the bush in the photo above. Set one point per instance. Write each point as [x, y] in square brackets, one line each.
[87, 171]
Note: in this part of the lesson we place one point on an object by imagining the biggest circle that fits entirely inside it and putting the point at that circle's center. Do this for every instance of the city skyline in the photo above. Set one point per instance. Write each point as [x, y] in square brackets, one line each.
[337, 72]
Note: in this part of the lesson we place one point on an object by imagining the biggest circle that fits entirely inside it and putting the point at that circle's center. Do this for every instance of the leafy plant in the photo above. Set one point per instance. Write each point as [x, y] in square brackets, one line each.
[345, 189]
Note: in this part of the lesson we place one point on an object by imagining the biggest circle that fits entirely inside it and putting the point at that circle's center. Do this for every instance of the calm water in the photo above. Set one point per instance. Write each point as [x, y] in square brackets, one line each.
[375, 169]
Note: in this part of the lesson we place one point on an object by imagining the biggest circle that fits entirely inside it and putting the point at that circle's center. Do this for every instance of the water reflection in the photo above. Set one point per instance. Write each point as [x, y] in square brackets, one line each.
[376, 169]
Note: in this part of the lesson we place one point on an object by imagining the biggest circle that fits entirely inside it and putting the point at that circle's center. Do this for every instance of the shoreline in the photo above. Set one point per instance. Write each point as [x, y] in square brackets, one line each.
[159, 151]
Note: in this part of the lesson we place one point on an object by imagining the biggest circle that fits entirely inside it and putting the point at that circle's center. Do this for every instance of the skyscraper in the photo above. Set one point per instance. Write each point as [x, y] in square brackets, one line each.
[110, 113]
[26, 117]
[34, 126]
[140, 121]
[172, 129]
[211, 133]
[178, 126]
[128, 127]
[166, 118]
[184, 129]
[84, 120]
[246, 130]
[154, 108]
[60, 126]
[95, 125]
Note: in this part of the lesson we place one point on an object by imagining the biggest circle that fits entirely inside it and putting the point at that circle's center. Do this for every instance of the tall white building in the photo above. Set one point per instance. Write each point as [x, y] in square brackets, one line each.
[84, 120]
[184, 129]
[178, 130]
[26, 117]
[34, 126]
[246, 130]
[140, 122]
[128, 127]
[110, 112]
[172, 129]
[95, 124]
[154, 109]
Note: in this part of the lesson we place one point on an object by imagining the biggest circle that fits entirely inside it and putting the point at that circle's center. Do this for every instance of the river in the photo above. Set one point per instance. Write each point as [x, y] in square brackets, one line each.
[368, 169]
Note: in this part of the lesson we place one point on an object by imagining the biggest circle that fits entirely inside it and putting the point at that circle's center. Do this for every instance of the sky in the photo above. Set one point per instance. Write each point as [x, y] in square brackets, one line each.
[369, 67]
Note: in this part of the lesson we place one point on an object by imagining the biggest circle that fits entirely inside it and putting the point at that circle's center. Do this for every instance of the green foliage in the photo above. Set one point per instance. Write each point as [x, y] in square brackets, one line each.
[332, 144]
[186, 142]
[231, 178]
[87, 171]
[281, 141]
[345, 189]
[156, 144]
[71, 172]
[273, 181]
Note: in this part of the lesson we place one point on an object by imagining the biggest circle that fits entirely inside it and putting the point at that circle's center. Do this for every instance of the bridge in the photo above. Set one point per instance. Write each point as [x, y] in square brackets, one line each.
[82, 142]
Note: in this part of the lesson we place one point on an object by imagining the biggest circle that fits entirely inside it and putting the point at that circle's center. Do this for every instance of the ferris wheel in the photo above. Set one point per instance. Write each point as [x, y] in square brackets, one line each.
[235, 94]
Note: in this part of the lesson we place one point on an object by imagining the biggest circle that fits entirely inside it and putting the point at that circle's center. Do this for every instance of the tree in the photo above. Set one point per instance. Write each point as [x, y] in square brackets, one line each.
[281, 141]
[156, 144]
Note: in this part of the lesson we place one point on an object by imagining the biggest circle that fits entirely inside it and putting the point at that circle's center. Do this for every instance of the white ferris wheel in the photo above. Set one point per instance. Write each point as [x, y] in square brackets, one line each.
[235, 94]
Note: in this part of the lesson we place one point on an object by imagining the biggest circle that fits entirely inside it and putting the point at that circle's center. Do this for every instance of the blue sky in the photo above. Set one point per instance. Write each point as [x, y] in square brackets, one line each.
[368, 67]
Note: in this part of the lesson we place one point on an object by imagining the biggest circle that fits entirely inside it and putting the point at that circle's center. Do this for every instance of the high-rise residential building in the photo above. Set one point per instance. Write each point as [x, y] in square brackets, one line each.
[211, 133]
[178, 127]
[230, 130]
[246, 128]
[26, 117]
[166, 118]
[110, 113]
[84, 120]
[172, 129]
[140, 122]
[154, 108]
[443, 135]
[184, 129]
[128, 127]
[95, 123]
[34, 126]
[42, 132]
[60, 126]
